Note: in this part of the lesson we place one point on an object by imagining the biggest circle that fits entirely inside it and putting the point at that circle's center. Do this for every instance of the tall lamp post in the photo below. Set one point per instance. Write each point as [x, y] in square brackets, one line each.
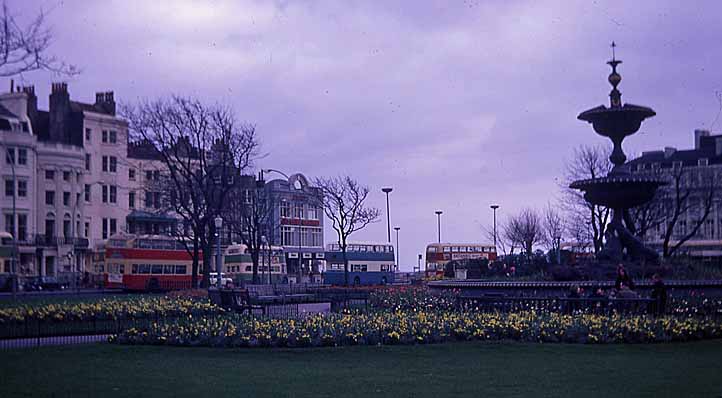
[438, 222]
[388, 216]
[218, 223]
[494, 207]
[397, 247]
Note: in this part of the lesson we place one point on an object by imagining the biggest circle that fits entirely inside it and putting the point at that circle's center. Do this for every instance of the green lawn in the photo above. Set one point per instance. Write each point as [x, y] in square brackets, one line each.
[459, 369]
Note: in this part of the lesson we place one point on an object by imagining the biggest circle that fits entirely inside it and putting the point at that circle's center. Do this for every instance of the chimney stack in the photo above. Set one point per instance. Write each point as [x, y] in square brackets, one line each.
[105, 102]
[669, 151]
[698, 134]
[59, 113]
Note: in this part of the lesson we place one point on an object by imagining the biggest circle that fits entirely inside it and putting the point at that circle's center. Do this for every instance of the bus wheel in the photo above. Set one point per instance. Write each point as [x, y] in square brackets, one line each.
[356, 281]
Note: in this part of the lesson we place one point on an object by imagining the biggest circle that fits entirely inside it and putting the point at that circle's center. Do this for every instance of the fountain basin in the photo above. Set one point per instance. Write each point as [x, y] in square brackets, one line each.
[619, 191]
[616, 122]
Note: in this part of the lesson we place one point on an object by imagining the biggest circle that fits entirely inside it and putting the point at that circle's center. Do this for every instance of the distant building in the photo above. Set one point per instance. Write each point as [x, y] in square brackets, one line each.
[298, 215]
[705, 160]
[70, 173]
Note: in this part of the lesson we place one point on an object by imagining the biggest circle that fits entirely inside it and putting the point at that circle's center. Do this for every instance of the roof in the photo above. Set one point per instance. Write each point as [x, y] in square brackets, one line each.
[688, 157]
[76, 106]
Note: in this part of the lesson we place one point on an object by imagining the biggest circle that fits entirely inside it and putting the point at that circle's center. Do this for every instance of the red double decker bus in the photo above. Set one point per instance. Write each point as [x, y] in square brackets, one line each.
[147, 262]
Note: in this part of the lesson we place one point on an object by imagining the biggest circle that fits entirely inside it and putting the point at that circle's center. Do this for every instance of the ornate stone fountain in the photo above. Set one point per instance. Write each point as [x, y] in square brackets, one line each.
[620, 190]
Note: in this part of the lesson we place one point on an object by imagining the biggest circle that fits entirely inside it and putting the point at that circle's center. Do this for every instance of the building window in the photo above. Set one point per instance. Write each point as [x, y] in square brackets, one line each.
[49, 227]
[87, 229]
[313, 212]
[287, 236]
[49, 174]
[148, 199]
[131, 200]
[105, 226]
[66, 228]
[22, 227]
[105, 136]
[66, 176]
[156, 200]
[105, 164]
[113, 194]
[298, 210]
[9, 188]
[113, 227]
[148, 175]
[10, 224]
[22, 156]
[10, 156]
[285, 209]
[105, 193]
[131, 174]
[50, 198]
[113, 137]
[87, 135]
[113, 164]
[87, 193]
[22, 188]
[66, 198]
[87, 161]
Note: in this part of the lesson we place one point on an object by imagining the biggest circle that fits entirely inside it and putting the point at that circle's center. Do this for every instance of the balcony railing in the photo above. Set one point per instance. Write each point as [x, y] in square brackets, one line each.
[45, 240]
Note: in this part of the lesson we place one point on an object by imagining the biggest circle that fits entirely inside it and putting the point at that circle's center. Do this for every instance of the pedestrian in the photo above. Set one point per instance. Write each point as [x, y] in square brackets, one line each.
[659, 295]
[623, 279]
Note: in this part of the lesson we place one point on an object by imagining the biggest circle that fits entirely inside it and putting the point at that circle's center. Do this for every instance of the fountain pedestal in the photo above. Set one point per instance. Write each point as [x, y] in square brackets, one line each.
[619, 190]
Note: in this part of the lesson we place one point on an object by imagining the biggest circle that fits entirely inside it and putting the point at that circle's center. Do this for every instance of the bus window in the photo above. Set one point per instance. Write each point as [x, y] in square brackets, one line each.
[156, 269]
[431, 250]
[168, 269]
[180, 269]
[447, 249]
[144, 268]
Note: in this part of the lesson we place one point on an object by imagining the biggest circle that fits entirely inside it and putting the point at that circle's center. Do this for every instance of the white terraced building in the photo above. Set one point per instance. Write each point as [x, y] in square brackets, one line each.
[66, 169]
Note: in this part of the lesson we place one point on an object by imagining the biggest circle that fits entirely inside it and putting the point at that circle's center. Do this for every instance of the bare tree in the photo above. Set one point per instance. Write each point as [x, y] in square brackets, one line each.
[553, 227]
[25, 48]
[588, 162]
[204, 151]
[249, 214]
[525, 230]
[690, 198]
[501, 242]
[343, 202]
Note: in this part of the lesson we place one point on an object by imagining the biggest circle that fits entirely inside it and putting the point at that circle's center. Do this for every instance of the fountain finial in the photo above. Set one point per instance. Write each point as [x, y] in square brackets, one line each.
[615, 96]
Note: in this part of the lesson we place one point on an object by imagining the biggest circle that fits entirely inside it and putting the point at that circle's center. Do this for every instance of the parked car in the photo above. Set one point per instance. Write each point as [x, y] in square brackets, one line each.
[44, 283]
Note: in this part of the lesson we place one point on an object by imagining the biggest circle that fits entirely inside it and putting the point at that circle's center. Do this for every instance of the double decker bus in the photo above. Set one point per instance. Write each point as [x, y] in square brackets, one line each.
[439, 254]
[238, 265]
[368, 264]
[147, 262]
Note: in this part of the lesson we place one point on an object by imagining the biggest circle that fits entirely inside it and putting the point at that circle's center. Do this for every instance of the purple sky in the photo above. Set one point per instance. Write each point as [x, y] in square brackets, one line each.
[455, 104]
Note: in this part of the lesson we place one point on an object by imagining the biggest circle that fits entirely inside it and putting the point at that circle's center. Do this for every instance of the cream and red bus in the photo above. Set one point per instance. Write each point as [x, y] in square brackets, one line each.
[146, 262]
[439, 254]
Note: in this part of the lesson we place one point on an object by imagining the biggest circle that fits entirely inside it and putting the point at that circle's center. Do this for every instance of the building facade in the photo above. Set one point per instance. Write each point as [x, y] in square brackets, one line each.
[65, 169]
[297, 225]
[699, 170]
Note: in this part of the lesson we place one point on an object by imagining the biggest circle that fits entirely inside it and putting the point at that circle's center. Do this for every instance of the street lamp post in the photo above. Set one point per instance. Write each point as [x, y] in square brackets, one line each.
[438, 222]
[494, 207]
[388, 216]
[218, 223]
[397, 247]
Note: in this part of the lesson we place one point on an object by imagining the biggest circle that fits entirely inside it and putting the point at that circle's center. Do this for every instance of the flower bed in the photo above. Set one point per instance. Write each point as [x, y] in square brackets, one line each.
[140, 307]
[419, 327]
